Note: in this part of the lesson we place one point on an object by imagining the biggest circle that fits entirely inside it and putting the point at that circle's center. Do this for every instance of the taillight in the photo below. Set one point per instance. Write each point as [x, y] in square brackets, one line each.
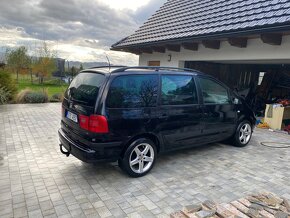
[84, 122]
[94, 123]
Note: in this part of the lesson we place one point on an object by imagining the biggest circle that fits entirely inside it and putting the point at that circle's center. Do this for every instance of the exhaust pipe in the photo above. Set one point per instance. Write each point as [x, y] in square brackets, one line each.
[65, 152]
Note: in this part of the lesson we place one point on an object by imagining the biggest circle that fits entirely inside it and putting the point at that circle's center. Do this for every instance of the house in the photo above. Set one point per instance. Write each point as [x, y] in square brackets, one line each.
[244, 43]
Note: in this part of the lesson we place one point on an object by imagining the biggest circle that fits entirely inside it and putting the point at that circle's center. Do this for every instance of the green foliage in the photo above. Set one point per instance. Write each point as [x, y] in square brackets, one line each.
[18, 60]
[29, 96]
[4, 95]
[58, 97]
[81, 67]
[36, 97]
[8, 83]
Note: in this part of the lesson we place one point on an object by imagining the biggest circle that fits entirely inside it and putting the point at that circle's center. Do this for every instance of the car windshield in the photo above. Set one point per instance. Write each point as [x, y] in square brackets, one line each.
[84, 89]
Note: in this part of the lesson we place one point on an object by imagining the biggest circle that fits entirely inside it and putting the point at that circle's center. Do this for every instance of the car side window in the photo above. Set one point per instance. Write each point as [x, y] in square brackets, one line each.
[213, 92]
[133, 91]
[178, 90]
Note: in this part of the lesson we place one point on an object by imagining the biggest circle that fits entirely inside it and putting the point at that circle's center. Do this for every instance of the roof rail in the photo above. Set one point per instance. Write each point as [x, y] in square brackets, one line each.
[103, 66]
[153, 68]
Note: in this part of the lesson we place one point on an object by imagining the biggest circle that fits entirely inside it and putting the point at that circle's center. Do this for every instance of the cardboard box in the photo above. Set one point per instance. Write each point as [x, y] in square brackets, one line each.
[275, 116]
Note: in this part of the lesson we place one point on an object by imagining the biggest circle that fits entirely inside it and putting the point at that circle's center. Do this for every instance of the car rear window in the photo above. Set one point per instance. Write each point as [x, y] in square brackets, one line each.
[84, 88]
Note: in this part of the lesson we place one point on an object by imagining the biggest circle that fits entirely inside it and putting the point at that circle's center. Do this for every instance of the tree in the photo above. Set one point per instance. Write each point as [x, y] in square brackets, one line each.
[81, 67]
[18, 60]
[73, 71]
[45, 63]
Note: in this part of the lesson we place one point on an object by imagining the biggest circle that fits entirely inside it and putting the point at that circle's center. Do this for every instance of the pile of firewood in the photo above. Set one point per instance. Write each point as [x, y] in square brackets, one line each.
[266, 205]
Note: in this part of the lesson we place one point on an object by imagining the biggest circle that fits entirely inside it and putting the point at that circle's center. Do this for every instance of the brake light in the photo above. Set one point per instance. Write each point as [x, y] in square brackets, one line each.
[94, 123]
[84, 122]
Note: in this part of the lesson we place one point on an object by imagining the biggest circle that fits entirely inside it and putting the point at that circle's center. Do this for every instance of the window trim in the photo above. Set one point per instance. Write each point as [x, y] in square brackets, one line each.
[177, 105]
[218, 82]
[125, 108]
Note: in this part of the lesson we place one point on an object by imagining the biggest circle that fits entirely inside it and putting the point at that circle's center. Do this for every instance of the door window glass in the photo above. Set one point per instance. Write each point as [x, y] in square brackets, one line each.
[213, 92]
[178, 90]
[133, 91]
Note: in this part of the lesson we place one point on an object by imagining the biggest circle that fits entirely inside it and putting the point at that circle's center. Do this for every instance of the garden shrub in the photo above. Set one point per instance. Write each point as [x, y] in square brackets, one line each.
[58, 97]
[8, 83]
[20, 98]
[29, 96]
[5, 95]
[36, 97]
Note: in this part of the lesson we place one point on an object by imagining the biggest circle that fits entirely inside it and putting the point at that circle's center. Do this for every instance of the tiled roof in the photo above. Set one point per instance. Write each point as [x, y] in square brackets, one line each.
[179, 19]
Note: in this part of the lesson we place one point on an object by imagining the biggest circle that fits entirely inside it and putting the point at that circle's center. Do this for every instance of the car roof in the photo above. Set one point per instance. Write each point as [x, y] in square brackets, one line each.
[139, 69]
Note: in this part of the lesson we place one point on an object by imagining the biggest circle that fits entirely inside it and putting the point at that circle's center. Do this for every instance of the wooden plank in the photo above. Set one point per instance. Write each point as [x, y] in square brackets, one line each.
[159, 49]
[272, 38]
[239, 42]
[208, 205]
[240, 206]
[224, 213]
[172, 47]
[190, 46]
[213, 44]
[266, 214]
[286, 204]
[234, 210]
[178, 214]
[245, 202]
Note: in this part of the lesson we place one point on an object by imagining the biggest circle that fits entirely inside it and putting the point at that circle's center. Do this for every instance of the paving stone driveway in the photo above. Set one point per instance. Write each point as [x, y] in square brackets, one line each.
[37, 180]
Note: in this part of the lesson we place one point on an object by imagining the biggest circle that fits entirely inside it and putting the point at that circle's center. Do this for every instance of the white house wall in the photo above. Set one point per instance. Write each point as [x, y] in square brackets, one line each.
[256, 50]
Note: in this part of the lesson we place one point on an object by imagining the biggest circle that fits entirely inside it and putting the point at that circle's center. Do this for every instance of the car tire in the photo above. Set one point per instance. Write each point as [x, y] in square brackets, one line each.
[243, 134]
[139, 158]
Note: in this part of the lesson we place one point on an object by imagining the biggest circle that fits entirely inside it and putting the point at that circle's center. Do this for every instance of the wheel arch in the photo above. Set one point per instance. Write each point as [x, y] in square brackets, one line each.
[154, 138]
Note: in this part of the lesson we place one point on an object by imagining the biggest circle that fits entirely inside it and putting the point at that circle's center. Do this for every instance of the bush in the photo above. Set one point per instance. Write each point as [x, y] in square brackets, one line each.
[29, 96]
[5, 95]
[36, 97]
[8, 83]
[20, 98]
[58, 97]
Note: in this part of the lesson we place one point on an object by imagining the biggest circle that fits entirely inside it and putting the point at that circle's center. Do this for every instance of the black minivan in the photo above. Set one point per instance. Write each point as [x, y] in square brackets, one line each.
[131, 114]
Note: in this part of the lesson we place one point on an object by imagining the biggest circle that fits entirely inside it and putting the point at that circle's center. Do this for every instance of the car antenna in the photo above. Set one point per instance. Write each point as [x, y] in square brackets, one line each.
[108, 61]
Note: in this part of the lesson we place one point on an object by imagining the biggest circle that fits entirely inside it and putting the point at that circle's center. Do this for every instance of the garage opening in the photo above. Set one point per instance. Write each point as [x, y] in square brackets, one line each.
[260, 83]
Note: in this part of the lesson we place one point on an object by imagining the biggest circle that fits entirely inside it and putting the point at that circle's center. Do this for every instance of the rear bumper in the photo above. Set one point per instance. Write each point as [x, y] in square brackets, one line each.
[106, 152]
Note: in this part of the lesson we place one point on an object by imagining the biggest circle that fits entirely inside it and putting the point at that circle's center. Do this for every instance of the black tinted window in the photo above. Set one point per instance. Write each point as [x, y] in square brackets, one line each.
[133, 91]
[85, 88]
[213, 92]
[177, 90]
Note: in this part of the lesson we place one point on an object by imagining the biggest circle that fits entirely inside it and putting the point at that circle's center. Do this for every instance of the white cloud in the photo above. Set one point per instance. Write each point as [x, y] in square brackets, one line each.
[79, 30]
[128, 4]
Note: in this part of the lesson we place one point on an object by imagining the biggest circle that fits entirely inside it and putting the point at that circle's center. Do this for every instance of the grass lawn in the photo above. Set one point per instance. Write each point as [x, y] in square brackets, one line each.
[53, 86]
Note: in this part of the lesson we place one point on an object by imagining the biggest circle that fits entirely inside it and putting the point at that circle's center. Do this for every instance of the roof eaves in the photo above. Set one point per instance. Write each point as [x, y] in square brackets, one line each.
[216, 35]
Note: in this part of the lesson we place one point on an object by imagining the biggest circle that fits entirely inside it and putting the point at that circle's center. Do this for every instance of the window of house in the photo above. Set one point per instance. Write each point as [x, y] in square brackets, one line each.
[178, 90]
[213, 92]
[153, 63]
[133, 91]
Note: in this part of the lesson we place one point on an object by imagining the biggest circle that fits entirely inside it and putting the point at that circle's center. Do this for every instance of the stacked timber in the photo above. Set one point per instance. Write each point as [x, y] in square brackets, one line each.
[264, 205]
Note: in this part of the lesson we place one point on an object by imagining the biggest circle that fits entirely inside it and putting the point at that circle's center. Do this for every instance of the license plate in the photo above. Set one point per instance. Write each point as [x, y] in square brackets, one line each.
[72, 116]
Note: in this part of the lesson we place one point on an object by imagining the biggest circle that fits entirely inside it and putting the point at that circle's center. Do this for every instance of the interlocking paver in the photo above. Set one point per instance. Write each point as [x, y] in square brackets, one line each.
[37, 180]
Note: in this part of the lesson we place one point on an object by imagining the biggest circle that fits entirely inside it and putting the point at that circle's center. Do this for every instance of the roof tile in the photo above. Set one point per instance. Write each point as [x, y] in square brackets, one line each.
[192, 18]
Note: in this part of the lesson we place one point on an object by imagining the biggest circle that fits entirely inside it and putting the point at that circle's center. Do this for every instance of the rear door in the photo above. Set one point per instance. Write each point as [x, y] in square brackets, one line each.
[219, 113]
[80, 98]
[131, 104]
[180, 113]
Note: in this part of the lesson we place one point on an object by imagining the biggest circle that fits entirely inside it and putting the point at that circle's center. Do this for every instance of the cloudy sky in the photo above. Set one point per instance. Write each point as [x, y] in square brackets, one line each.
[79, 30]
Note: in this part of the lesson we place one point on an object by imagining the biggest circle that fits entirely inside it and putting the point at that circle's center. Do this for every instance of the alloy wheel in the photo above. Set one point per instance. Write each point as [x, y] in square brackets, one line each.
[141, 158]
[245, 133]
